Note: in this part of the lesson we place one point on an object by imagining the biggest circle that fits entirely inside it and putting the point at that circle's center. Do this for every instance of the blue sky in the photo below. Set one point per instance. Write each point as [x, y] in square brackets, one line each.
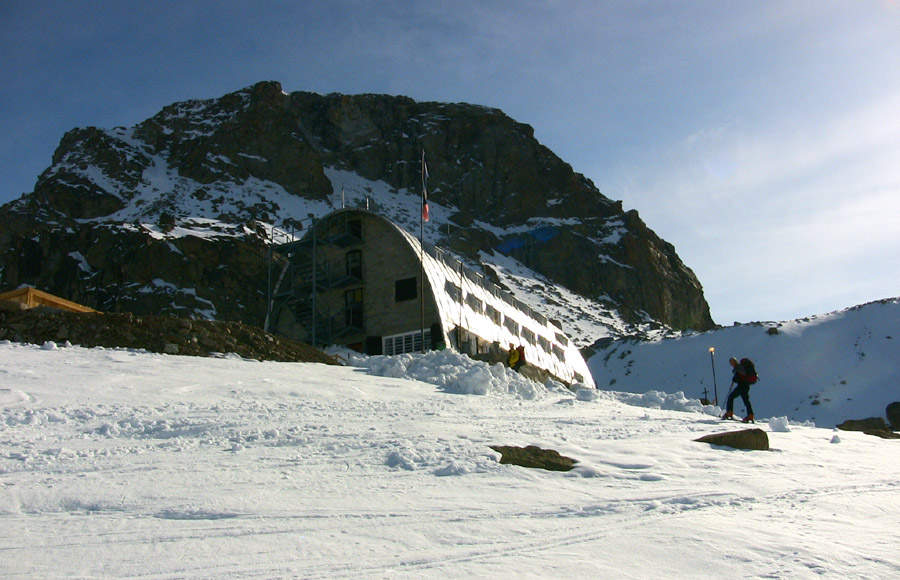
[761, 139]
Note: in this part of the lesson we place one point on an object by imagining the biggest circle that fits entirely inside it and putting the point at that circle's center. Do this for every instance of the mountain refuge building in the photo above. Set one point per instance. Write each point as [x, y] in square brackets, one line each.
[359, 280]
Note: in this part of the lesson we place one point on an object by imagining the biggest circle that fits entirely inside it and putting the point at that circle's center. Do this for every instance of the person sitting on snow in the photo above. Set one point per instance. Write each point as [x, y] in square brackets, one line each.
[513, 358]
[521, 358]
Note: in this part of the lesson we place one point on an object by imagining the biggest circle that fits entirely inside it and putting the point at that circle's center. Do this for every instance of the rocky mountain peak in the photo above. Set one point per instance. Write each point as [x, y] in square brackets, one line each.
[231, 171]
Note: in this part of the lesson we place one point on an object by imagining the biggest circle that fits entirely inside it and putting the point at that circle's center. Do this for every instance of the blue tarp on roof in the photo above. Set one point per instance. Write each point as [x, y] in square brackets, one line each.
[541, 235]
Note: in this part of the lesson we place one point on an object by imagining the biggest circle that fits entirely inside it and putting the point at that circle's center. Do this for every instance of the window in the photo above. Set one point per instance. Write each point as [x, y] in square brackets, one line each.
[407, 342]
[452, 290]
[354, 228]
[559, 352]
[544, 343]
[475, 303]
[405, 289]
[353, 308]
[528, 335]
[354, 264]
[493, 314]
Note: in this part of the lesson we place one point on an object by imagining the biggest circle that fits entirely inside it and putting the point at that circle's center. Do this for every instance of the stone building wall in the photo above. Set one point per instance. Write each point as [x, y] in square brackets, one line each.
[387, 258]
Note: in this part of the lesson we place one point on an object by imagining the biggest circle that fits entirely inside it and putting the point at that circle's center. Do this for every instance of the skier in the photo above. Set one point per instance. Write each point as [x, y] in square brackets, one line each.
[742, 378]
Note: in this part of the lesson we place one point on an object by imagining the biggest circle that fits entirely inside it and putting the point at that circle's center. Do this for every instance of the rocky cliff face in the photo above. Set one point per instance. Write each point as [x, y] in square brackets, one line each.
[175, 213]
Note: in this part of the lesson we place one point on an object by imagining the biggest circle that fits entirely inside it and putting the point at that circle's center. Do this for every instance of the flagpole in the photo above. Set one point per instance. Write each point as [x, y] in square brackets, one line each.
[422, 250]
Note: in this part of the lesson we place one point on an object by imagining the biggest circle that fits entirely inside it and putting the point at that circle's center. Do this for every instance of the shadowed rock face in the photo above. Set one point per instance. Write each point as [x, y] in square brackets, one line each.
[163, 334]
[487, 167]
[118, 270]
[893, 415]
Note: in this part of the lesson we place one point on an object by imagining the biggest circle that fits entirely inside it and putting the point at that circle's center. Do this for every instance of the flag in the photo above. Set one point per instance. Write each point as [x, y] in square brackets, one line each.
[424, 188]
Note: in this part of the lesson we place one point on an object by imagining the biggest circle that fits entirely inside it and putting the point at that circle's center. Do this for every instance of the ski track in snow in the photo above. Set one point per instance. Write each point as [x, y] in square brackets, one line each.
[134, 465]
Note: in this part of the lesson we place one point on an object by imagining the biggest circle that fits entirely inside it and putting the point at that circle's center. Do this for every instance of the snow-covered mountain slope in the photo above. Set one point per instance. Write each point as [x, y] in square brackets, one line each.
[826, 368]
[584, 320]
[215, 212]
[124, 464]
[255, 166]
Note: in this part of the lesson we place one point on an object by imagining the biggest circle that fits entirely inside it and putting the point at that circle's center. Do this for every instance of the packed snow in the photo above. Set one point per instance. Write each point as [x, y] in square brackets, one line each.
[128, 464]
[826, 368]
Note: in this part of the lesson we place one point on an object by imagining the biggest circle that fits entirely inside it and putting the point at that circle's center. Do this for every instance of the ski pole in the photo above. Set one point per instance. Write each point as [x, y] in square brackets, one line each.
[731, 388]
[712, 351]
[728, 396]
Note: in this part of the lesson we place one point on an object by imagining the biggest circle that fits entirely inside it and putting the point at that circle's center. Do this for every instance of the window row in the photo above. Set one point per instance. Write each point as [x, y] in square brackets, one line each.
[478, 306]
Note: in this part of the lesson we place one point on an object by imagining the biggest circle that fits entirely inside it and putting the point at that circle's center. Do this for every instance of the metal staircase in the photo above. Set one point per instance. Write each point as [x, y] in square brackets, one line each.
[307, 273]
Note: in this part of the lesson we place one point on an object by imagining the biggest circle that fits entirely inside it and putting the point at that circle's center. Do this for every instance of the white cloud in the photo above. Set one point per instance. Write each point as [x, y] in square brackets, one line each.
[808, 205]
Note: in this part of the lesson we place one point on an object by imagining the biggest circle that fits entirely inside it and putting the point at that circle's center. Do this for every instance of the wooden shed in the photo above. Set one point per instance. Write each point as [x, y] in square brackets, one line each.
[32, 297]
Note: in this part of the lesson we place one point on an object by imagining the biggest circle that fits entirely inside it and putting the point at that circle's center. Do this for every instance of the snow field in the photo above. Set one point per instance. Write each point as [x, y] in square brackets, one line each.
[122, 464]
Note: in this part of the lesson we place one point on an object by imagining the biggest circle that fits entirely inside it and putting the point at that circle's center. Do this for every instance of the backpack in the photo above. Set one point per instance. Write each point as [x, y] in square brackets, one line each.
[749, 371]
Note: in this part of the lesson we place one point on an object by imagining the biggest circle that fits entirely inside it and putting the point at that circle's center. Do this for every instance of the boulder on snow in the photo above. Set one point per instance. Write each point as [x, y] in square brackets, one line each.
[883, 433]
[534, 457]
[751, 439]
[893, 415]
[870, 424]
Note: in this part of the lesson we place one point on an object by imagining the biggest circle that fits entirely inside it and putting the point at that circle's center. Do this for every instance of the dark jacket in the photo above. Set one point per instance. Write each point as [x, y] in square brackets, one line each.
[739, 375]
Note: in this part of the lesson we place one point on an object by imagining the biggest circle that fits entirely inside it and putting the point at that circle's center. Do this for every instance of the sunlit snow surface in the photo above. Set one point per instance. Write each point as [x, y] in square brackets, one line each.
[826, 368]
[123, 464]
